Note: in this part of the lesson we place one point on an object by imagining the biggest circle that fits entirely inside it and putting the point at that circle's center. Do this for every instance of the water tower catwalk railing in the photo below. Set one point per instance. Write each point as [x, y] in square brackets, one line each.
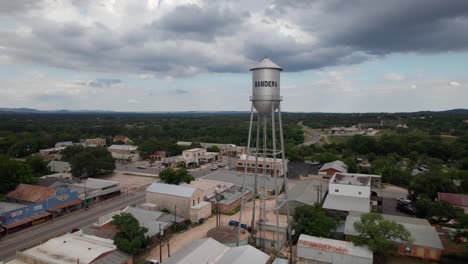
[266, 107]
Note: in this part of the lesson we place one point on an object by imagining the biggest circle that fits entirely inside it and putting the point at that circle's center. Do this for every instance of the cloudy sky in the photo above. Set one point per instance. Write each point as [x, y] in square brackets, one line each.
[184, 55]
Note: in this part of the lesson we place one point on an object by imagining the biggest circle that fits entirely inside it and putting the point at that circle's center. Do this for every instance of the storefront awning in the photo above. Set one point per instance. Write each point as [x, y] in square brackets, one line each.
[61, 206]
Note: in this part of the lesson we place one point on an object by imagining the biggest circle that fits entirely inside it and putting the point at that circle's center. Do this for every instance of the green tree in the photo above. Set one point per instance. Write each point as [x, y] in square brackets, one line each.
[213, 149]
[12, 173]
[38, 166]
[69, 152]
[378, 234]
[429, 183]
[171, 176]
[91, 162]
[312, 220]
[131, 236]
[352, 165]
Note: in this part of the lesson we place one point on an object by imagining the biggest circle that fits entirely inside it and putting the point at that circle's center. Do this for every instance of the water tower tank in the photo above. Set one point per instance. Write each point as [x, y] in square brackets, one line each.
[266, 86]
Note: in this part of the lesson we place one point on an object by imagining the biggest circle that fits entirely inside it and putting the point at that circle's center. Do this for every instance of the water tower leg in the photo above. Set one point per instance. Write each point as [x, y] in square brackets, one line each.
[275, 174]
[245, 174]
[254, 193]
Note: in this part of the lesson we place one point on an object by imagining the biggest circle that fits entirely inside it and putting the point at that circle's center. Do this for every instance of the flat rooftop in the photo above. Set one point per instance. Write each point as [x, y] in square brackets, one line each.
[334, 246]
[351, 179]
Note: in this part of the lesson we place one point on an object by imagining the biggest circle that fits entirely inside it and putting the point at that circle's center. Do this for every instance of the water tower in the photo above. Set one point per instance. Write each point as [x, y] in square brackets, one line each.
[262, 151]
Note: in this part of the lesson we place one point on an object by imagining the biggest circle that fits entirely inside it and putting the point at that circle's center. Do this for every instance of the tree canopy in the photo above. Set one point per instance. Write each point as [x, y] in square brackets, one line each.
[171, 176]
[131, 237]
[12, 173]
[91, 162]
[312, 220]
[378, 233]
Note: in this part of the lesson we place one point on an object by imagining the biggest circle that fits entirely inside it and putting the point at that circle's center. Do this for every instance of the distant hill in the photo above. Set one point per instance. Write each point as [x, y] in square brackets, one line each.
[459, 111]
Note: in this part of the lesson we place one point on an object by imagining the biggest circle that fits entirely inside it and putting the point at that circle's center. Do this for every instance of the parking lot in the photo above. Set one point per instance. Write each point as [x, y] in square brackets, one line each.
[389, 202]
[139, 167]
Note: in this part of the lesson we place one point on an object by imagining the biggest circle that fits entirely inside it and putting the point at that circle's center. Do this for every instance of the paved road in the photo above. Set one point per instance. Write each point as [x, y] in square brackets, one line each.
[33, 236]
[314, 135]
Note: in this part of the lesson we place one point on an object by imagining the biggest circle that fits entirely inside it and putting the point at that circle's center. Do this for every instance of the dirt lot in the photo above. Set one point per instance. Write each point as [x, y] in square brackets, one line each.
[130, 182]
[182, 239]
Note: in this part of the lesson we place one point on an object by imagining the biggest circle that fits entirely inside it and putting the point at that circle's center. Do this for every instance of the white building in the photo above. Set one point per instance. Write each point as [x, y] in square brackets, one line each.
[314, 250]
[197, 156]
[126, 152]
[350, 192]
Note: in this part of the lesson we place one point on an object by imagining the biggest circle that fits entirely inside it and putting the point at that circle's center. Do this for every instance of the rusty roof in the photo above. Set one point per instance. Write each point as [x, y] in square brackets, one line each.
[453, 198]
[31, 193]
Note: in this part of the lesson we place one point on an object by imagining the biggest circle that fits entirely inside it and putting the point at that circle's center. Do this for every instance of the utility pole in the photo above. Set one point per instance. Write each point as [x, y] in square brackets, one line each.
[160, 244]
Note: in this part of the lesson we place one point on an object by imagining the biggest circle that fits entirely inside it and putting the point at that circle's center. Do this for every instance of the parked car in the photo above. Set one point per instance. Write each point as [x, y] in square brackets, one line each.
[151, 261]
[141, 167]
[406, 208]
[235, 223]
[214, 166]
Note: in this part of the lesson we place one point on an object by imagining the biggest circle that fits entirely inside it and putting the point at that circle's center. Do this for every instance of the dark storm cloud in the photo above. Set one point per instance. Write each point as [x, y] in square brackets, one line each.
[230, 36]
[193, 22]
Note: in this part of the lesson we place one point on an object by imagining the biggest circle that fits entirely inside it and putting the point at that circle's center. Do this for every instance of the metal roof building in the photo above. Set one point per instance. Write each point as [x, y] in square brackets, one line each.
[347, 203]
[69, 248]
[324, 250]
[426, 242]
[170, 189]
[31, 193]
[59, 166]
[211, 251]
[455, 199]
[332, 167]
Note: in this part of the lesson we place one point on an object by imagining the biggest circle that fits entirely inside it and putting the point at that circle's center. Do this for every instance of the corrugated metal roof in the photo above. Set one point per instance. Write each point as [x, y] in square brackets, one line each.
[347, 203]
[422, 233]
[170, 189]
[332, 245]
[31, 193]
[93, 183]
[7, 207]
[306, 191]
[336, 165]
[148, 219]
[453, 198]
[209, 250]
[114, 257]
[266, 63]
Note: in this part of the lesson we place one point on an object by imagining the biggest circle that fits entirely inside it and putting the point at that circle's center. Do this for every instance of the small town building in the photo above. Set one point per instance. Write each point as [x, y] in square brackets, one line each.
[59, 166]
[124, 152]
[121, 139]
[211, 251]
[158, 155]
[94, 142]
[197, 156]
[305, 192]
[148, 219]
[48, 152]
[265, 165]
[93, 190]
[350, 192]
[230, 199]
[63, 144]
[265, 235]
[312, 250]
[329, 169]
[74, 248]
[224, 149]
[179, 200]
[36, 204]
[426, 242]
[455, 199]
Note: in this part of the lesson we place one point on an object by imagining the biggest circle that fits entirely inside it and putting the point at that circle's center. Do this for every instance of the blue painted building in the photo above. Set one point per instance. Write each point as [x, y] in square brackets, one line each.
[31, 204]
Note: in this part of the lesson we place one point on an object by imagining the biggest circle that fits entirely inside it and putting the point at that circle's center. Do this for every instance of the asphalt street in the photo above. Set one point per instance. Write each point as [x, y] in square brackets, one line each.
[313, 134]
[35, 235]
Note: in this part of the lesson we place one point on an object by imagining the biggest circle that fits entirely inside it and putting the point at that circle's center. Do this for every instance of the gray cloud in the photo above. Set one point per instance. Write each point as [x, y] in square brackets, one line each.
[100, 83]
[230, 36]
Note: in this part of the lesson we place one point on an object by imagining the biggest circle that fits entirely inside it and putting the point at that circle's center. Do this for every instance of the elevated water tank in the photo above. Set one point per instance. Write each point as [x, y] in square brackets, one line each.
[266, 86]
